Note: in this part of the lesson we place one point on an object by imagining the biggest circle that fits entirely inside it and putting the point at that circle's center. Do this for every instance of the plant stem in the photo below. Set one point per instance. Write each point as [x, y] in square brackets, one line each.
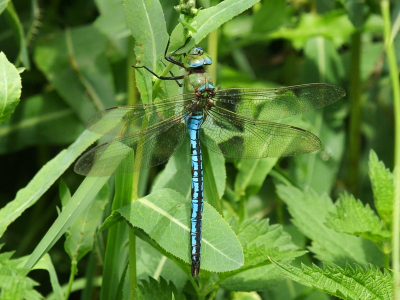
[355, 113]
[394, 76]
[131, 82]
[158, 81]
[71, 279]
[212, 50]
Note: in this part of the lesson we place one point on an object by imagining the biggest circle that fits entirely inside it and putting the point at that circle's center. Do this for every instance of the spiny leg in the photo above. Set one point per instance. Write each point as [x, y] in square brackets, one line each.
[177, 82]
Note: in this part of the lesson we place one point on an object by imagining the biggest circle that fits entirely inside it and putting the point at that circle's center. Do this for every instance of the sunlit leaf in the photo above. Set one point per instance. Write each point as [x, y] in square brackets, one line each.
[10, 88]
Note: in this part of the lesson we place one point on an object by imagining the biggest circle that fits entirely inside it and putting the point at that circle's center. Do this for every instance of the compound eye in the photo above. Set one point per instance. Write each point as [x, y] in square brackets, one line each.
[199, 51]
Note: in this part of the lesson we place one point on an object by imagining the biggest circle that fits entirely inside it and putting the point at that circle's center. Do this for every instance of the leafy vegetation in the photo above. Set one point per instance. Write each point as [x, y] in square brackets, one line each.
[270, 228]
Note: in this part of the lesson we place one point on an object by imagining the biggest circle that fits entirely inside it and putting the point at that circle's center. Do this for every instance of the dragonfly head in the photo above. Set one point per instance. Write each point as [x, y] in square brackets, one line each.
[196, 57]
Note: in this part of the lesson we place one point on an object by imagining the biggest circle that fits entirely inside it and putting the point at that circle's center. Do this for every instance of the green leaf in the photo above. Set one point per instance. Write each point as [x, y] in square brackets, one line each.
[354, 218]
[42, 181]
[45, 263]
[10, 88]
[3, 5]
[271, 16]
[165, 216]
[75, 207]
[349, 283]
[147, 24]
[208, 20]
[16, 25]
[382, 186]
[157, 290]
[260, 241]
[251, 175]
[14, 284]
[357, 10]
[80, 236]
[334, 26]
[74, 62]
[43, 119]
[309, 212]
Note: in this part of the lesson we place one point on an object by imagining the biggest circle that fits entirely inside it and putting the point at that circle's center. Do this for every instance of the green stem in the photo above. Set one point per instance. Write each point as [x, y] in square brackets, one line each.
[158, 81]
[394, 76]
[212, 50]
[355, 112]
[133, 94]
[71, 278]
[132, 263]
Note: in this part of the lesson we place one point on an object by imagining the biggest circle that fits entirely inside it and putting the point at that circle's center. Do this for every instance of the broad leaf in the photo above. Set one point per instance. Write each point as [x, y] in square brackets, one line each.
[354, 218]
[382, 186]
[165, 216]
[349, 283]
[74, 62]
[309, 212]
[10, 88]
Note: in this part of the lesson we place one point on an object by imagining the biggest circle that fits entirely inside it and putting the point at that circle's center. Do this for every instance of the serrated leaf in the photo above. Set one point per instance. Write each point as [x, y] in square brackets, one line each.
[80, 235]
[154, 289]
[352, 217]
[165, 216]
[346, 283]
[382, 187]
[10, 88]
[43, 119]
[309, 212]
[42, 181]
[260, 241]
[14, 284]
[208, 20]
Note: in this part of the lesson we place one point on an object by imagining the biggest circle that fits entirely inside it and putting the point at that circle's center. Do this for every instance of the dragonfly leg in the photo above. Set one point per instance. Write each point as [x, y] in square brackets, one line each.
[177, 82]
[169, 57]
[159, 77]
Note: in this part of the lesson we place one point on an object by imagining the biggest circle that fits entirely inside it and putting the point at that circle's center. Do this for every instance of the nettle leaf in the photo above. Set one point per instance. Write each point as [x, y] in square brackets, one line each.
[154, 289]
[165, 216]
[349, 283]
[382, 186]
[14, 284]
[10, 88]
[309, 212]
[260, 241]
[354, 218]
[80, 235]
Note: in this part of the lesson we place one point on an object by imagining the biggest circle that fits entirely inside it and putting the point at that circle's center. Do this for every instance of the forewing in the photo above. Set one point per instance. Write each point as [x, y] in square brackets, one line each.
[237, 136]
[125, 120]
[152, 146]
[277, 103]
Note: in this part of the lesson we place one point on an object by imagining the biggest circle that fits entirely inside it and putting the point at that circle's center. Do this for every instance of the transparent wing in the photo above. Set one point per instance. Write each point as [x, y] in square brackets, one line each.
[152, 146]
[237, 136]
[125, 120]
[277, 103]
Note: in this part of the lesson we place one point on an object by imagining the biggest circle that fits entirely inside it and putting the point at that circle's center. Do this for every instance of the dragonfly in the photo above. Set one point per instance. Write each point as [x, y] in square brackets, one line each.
[234, 122]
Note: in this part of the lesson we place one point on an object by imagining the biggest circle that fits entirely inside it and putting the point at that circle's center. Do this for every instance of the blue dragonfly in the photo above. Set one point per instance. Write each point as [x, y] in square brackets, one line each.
[234, 122]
